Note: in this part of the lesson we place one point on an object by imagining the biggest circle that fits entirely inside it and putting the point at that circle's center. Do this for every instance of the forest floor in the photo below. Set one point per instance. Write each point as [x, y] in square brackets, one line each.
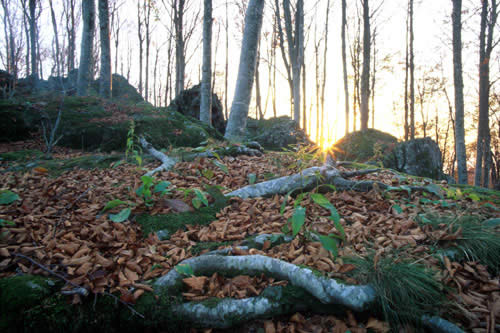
[59, 221]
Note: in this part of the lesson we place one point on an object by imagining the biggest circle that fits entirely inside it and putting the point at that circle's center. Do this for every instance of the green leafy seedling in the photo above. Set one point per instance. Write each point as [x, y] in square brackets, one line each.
[7, 197]
[122, 216]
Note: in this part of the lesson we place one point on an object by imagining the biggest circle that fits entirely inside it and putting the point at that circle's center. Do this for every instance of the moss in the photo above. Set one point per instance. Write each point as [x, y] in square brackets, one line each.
[211, 302]
[364, 146]
[21, 155]
[484, 194]
[210, 246]
[174, 222]
[56, 167]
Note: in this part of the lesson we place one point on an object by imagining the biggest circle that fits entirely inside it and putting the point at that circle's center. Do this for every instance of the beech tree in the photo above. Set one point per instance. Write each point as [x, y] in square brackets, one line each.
[489, 15]
[206, 90]
[365, 74]
[105, 84]
[344, 63]
[237, 122]
[85, 69]
[456, 18]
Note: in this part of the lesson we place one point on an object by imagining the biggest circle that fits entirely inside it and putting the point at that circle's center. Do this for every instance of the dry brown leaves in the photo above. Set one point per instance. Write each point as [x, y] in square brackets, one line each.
[96, 253]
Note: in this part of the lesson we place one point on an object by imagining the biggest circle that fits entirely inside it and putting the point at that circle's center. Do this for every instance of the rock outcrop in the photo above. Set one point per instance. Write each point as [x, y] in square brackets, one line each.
[418, 157]
[275, 133]
[364, 146]
[188, 104]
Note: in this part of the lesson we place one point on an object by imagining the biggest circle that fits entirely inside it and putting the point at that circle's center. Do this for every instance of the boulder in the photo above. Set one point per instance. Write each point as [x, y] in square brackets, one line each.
[90, 123]
[418, 157]
[275, 133]
[369, 145]
[188, 104]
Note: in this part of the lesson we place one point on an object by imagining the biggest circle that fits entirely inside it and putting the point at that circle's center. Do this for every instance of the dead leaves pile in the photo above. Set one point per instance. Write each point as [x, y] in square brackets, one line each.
[60, 224]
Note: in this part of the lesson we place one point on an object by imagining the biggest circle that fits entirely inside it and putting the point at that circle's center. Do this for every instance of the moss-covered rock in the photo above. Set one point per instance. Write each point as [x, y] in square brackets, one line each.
[363, 146]
[418, 157]
[275, 133]
[12, 124]
[188, 103]
[90, 123]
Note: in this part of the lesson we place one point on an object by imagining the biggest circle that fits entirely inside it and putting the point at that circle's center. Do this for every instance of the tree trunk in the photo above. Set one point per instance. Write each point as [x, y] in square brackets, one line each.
[236, 125]
[412, 75]
[407, 64]
[56, 39]
[33, 39]
[206, 90]
[69, 8]
[141, 41]
[344, 63]
[459, 92]
[85, 69]
[147, 21]
[483, 153]
[180, 59]
[105, 83]
[365, 74]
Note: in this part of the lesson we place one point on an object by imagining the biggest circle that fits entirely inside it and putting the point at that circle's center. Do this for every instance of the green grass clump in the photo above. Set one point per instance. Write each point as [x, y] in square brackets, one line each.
[475, 242]
[406, 291]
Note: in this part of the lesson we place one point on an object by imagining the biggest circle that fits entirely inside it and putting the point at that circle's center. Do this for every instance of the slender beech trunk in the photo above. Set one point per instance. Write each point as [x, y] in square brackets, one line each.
[105, 83]
[86, 51]
[56, 38]
[226, 73]
[483, 150]
[180, 58]
[141, 42]
[407, 64]
[374, 73]
[71, 32]
[412, 75]
[147, 32]
[258, 97]
[206, 90]
[365, 74]
[236, 125]
[33, 39]
[344, 61]
[459, 92]
[323, 82]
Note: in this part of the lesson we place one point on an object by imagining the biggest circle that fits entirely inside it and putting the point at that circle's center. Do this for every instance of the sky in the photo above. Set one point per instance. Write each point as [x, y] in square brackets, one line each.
[432, 47]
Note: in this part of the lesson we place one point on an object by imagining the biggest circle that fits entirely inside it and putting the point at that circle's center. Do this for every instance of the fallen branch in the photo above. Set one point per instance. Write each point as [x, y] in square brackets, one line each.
[253, 149]
[166, 162]
[228, 312]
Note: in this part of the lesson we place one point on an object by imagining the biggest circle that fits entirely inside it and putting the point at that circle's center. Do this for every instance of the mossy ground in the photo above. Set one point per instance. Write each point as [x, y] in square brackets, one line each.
[174, 222]
[26, 160]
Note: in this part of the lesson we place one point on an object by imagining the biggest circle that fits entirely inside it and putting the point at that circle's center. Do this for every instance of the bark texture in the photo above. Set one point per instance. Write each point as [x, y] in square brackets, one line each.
[86, 51]
[365, 74]
[105, 74]
[206, 90]
[459, 92]
[236, 125]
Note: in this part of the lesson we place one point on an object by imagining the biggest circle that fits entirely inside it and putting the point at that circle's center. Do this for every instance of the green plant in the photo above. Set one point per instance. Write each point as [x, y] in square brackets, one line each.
[7, 197]
[151, 186]
[473, 239]
[304, 156]
[200, 197]
[132, 147]
[297, 221]
[405, 290]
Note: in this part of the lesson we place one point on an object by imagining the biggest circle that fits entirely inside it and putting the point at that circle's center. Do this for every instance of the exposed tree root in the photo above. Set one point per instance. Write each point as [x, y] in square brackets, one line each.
[166, 162]
[251, 149]
[228, 312]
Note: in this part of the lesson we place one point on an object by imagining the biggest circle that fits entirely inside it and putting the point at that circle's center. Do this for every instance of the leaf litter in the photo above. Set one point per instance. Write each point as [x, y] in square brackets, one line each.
[59, 222]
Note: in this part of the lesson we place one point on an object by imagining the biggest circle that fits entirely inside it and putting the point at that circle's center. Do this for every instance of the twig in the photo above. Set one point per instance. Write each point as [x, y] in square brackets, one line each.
[48, 270]
[134, 311]
[78, 289]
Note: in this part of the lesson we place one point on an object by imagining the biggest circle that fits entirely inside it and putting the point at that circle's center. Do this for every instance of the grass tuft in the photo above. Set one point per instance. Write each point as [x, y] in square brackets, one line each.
[406, 291]
[475, 241]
